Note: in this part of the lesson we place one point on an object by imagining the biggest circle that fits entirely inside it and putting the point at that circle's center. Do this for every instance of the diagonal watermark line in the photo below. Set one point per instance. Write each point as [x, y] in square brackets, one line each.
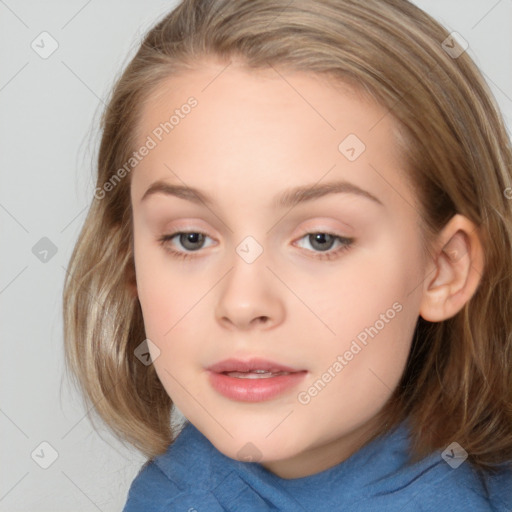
[13, 13]
[14, 76]
[380, 379]
[294, 206]
[14, 486]
[280, 423]
[435, 268]
[420, 214]
[83, 83]
[302, 97]
[497, 86]
[476, 229]
[73, 219]
[390, 185]
[388, 111]
[94, 432]
[421, 282]
[14, 218]
[199, 300]
[204, 204]
[85, 494]
[75, 15]
[93, 406]
[282, 10]
[384, 179]
[83, 286]
[199, 403]
[485, 15]
[14, 278]
[215, 77]
[14, 423]
[300, 300]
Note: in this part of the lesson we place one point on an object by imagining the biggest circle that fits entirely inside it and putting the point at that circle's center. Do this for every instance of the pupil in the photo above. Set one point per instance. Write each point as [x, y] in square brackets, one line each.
[321, 239]
[190, 238]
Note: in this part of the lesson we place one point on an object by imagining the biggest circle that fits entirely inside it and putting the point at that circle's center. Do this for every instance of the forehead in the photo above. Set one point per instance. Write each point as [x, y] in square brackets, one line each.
[251, 127]
[324, 104]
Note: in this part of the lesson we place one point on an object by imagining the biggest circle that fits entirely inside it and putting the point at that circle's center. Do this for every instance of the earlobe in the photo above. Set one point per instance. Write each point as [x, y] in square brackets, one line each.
[458, 268]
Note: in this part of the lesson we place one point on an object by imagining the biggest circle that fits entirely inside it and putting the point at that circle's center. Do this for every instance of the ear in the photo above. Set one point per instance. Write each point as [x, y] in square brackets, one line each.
[458, 264]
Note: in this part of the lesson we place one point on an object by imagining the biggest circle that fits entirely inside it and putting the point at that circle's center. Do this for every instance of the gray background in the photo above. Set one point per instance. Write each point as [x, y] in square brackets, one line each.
[49, 113]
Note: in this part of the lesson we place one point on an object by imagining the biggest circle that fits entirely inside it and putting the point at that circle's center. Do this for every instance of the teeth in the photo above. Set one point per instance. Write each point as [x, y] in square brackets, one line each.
[255, 374]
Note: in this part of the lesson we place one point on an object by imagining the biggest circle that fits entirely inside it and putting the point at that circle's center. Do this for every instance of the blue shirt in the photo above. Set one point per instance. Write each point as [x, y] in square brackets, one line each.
[193, 476]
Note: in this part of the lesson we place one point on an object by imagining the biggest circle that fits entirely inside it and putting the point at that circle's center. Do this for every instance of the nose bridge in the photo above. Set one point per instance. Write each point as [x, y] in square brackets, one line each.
[247, 276]
[247, 295]
[249, 249]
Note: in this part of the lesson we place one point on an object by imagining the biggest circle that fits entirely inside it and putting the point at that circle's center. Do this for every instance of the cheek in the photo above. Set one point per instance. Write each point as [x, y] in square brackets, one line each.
[163, 292]
[365, 286]
[370, 307]
[158, 300]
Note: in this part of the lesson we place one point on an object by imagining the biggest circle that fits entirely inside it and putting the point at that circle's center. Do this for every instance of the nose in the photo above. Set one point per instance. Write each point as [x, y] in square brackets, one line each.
[249, 297]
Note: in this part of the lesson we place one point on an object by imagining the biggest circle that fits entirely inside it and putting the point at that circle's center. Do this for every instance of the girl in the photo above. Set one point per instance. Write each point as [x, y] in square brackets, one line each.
[300, 245]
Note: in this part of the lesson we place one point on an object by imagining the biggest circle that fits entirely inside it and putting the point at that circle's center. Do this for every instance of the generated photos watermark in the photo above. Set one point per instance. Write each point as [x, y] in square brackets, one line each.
[158, 133]
[357, 345]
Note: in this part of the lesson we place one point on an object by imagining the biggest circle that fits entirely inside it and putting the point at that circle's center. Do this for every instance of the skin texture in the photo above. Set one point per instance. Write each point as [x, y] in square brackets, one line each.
[253, 135]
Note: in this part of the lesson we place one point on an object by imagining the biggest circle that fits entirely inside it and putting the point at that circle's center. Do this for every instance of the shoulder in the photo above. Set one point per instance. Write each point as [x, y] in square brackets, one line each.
[465, 488]
[150, 487]
[152, 491]
[433, 485]
[180, 477]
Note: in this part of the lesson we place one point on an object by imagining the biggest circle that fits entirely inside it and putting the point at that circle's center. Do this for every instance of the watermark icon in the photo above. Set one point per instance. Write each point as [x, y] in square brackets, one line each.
[249, 453]
[44, 455]
[508, 192]
[351, 147]
[44, 45]
[151, 142]
[455, 248]
[147, 352]
[44, 249]
[305, 397]
[454, 455]
[249, 249]
[455, 45]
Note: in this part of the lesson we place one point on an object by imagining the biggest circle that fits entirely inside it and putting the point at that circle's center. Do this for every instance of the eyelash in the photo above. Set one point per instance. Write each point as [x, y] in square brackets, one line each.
[331, 255]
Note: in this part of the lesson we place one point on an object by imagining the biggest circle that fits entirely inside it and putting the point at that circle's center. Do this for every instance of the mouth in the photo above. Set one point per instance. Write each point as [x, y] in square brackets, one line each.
[254, 380]
[255, 374]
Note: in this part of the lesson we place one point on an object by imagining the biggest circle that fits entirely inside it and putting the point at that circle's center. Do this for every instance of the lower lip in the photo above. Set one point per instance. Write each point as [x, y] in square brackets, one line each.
[254, 390]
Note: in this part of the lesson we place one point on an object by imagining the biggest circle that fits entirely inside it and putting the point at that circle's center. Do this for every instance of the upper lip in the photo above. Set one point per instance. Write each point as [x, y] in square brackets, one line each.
[238, 365]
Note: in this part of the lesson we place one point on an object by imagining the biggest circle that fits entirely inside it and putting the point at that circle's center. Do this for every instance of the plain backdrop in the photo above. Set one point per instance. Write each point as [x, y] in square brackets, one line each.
[49, 113]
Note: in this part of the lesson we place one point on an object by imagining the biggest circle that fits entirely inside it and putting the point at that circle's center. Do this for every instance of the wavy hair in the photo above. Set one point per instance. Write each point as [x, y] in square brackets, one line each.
[457, 384]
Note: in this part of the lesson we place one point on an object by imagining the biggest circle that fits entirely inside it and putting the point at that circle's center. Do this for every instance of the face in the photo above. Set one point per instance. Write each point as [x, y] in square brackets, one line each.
[280, 322]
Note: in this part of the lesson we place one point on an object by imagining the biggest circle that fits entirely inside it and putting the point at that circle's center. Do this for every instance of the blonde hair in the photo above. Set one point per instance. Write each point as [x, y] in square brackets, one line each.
[457, 384]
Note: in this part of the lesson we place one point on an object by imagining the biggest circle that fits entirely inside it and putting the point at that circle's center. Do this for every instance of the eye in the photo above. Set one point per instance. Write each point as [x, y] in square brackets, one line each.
[193, 241]
[190, 240]
[322, 242]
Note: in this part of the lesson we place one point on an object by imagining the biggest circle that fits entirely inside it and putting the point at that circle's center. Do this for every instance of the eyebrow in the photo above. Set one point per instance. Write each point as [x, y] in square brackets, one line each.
[287, 199]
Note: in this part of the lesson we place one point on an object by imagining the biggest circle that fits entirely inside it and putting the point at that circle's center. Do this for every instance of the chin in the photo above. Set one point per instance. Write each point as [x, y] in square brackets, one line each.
[255, 448]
